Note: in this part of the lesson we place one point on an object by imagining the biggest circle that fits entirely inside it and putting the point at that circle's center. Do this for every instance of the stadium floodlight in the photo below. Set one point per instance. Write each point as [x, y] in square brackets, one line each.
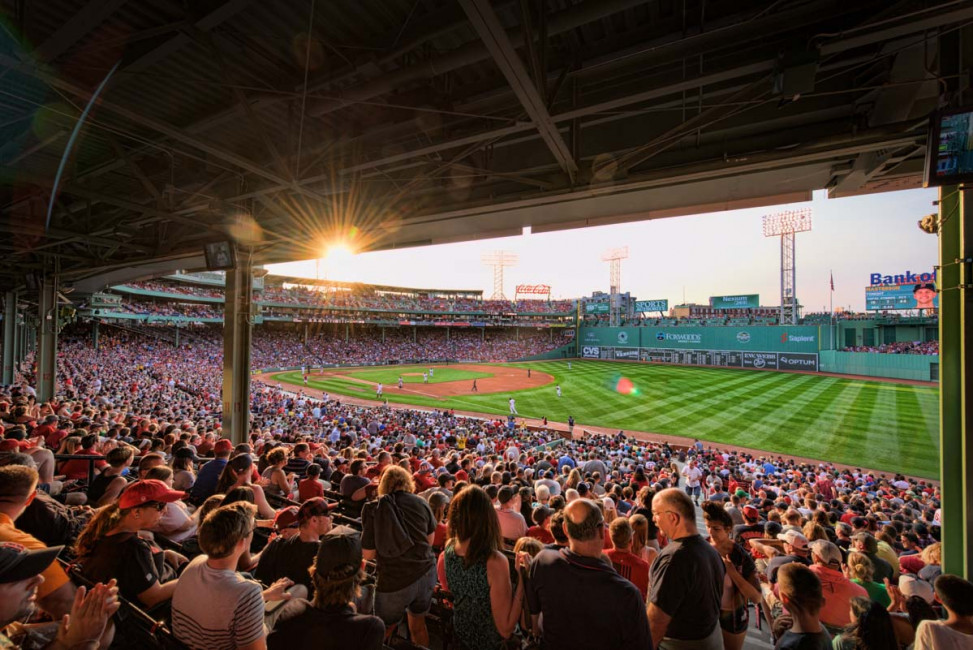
[614, 257]
[498, 260]
[786, 225]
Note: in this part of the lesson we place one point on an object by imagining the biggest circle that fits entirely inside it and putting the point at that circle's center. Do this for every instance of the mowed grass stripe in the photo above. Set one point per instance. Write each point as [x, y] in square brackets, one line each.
[840, 420]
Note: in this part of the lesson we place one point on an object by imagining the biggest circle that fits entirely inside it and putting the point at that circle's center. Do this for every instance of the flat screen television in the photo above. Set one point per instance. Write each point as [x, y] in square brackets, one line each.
[220, 256]
[949, 150]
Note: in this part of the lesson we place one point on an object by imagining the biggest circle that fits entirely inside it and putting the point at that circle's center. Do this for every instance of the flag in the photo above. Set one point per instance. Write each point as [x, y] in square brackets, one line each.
[832, 280]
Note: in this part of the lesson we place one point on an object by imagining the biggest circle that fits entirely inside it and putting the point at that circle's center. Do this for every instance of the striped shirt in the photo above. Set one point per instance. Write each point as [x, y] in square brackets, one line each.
[216, 609]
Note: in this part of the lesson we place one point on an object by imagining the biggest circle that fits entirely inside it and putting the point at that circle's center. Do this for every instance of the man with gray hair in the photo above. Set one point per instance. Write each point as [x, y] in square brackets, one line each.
[686, 580]
[609, 615]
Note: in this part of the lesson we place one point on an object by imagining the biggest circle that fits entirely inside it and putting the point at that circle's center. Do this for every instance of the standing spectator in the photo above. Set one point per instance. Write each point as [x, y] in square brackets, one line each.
[478, 574]
[740, 585]
[513, 526]
[693, 474]
[629, 566]
[611, 613]
[800, 591]
[686, 579]
[397, 531]
[956, 632]
[329, 621]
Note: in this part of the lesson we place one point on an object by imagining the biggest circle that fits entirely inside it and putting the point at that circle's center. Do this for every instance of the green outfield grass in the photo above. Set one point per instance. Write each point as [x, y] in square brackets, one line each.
[874, 424]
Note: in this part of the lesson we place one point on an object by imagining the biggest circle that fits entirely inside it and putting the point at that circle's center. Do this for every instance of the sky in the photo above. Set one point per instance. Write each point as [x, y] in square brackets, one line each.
[680, 258]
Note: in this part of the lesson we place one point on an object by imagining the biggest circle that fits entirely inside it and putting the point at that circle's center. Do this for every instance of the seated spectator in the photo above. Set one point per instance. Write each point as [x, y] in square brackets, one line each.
[863, 542]
[354, 485]
[438, 503]
[474, 569]
[628, 565]
[287, 523]
[209, 472]
[21, 574]
[329, 621]
[213, 606]
[311, 486]
[611, 615]
[871, 627]
[108, 484]
[800, 591]
[177, 522]
[18, 486]
[110, 546]
[238, 472]
[859, 569]
[183, 469]
[397, 532]
[956, 632]
[78, 469]
[837, 589]
[276, 481]
[290, 557]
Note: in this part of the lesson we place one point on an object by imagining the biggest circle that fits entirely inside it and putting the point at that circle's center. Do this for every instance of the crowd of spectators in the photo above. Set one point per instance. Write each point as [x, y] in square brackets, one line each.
[583, 543]
[899, 347]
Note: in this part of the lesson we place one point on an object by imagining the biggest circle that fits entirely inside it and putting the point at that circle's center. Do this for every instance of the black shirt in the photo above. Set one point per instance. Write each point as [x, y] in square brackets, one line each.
[687, 584]
[585, 603]
[52, 522]
[331, 628]
[133, 561]
[287, 558]
[399, 570]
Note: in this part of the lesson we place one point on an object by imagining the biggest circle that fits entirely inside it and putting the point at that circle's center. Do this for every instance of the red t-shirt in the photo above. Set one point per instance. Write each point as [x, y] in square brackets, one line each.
[632, 568]
[308, 489]
[78, 469]
[541, 534]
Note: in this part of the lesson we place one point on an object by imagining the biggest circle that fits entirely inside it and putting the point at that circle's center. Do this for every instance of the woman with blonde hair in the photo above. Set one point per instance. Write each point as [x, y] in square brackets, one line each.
[642, 546]
[860, 570]
[397, 532]
[238, 473]
[574, 478]
[275, 481]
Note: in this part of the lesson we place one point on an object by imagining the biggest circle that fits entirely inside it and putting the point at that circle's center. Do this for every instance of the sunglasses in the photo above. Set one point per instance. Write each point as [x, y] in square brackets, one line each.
[157, 505]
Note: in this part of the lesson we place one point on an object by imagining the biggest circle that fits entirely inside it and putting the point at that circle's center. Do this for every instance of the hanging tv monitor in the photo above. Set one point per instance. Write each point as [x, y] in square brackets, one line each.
[949, 149]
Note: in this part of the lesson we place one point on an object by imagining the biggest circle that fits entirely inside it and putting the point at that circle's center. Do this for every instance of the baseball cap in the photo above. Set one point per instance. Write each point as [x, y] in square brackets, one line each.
[911, 563]
[222, 446]
[286, 518]
[315, 507]
[749, 512]
[912, 586]
[825, 550]
[149, 490]
[794, 538]
[339, 554]
[18, 563]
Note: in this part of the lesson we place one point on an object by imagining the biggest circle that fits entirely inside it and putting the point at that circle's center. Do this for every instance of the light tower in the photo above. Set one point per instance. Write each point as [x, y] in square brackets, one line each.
[614, 257]
[498, 260]
[786, 225]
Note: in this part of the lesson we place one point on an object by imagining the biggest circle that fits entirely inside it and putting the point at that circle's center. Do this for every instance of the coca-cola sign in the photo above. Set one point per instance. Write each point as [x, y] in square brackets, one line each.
[543, 289]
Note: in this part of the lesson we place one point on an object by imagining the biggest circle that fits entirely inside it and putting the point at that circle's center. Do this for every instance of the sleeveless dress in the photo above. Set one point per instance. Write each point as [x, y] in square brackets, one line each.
[472, 614]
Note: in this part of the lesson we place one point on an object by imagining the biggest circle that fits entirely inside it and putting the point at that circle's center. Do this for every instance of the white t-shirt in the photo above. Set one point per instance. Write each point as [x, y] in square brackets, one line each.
[933, 635]
[216, 609]
[692, 474]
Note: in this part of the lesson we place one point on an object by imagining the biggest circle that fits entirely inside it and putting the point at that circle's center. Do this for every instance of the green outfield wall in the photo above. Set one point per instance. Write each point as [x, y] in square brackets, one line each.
[760, 338]
[915, 367]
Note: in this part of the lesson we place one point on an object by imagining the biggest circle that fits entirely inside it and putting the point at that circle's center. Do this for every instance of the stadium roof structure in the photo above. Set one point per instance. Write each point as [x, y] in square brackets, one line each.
[412, 122]
[278, 280]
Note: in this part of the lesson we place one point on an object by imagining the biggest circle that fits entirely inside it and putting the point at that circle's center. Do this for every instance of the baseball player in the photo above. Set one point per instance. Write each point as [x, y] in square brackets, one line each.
[558, 389]
[475, 389]
[378, 391]
[513, 407]
[400, 382]
[425, 377]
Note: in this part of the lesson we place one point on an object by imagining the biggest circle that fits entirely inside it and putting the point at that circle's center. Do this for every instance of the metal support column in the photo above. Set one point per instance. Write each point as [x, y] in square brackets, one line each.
[18, 340]
[47, 340]
[237, 327]
[305, 334]
[788, 279]
[9, 332]
[95, 326]
[955, 278]
[177, 337]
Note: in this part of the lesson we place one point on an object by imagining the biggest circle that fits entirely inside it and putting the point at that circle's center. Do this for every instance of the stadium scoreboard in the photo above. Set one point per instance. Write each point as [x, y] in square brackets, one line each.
[743, 301]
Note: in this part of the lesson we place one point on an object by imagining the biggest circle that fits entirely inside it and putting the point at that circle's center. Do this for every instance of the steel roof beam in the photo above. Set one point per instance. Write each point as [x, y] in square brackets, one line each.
[494, 37]
[92, 14]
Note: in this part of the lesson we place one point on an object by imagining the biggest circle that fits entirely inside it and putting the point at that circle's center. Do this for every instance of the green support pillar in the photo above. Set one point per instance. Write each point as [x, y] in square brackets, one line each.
[94, 334]
[177, 337]
[47, 337]
[9, 332]
[956, 377]
[237, 319]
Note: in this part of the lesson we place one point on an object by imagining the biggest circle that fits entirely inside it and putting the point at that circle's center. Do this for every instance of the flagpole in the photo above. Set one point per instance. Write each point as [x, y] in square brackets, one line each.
[831, 308]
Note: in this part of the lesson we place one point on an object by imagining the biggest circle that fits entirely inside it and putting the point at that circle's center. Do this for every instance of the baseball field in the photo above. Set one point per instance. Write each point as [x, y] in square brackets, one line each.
[882, 425]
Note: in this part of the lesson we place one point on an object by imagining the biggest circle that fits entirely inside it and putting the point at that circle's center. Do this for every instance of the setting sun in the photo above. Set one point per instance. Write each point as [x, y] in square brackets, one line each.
[338, 255]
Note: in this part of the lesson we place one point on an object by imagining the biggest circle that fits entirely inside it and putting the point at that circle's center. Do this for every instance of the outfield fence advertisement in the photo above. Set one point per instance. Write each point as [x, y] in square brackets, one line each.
[764, 347]
[743, 301]
[596, 308]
